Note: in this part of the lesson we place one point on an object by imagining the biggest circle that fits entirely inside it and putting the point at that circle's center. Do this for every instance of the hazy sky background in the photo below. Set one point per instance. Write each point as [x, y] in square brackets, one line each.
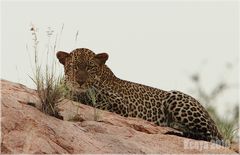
[156, 43]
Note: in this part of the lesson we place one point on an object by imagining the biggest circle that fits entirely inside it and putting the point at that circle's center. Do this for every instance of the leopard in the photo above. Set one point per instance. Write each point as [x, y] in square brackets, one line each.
[85, 70]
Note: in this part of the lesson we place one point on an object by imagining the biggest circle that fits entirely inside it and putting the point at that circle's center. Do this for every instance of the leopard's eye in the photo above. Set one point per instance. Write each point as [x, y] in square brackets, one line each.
[91, 63]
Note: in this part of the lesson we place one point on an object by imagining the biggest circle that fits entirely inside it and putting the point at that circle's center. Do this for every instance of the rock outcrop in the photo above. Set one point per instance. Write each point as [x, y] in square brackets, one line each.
[25, 129]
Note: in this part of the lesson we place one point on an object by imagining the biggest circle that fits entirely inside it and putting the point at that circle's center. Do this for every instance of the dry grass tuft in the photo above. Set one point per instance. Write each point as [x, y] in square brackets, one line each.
[50, 87]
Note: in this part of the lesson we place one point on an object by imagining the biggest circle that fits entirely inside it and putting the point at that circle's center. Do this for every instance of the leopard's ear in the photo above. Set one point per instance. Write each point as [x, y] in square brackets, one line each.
[101, 58]
[62, 56]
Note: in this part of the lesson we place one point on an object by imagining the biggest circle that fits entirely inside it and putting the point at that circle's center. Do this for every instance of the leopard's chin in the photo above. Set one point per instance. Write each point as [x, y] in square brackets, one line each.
[76, 88]
[81, 90]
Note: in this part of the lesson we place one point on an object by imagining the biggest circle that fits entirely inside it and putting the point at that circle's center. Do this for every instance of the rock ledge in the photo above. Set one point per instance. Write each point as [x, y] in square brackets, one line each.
[25, 129]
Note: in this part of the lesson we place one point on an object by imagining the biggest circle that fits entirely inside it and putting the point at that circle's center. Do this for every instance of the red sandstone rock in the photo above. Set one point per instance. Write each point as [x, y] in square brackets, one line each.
[25, 129]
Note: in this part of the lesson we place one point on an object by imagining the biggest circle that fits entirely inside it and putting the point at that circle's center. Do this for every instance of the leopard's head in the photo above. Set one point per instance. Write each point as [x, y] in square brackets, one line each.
[83, 68]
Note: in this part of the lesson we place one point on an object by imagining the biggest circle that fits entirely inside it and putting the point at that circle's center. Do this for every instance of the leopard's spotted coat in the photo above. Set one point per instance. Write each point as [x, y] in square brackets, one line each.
[86, 70]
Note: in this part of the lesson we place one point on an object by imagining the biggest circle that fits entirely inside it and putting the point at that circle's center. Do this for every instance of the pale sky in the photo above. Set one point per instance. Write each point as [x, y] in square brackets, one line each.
[156, 43]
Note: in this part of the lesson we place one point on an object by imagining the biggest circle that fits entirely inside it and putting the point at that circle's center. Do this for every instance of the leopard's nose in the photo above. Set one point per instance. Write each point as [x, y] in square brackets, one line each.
[81, 77]
[81, 82]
